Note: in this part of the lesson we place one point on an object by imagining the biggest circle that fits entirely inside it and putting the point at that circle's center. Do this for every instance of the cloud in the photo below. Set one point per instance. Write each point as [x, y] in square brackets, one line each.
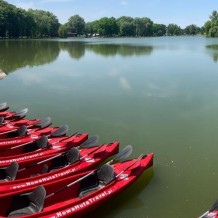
[125, 84]
[25, 5]
[30, 79]
[124, 2]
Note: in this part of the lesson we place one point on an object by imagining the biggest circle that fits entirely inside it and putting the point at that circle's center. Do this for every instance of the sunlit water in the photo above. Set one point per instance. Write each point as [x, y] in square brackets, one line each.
[158, 94]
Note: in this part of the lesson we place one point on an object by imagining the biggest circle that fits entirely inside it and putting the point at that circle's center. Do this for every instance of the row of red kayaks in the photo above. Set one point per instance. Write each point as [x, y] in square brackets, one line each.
[45, 173]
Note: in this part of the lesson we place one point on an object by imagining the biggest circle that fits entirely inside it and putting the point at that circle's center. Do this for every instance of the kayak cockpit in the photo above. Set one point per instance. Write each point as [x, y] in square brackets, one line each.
[100, 178]
[9, 173]
[70, 157]
[28, 203]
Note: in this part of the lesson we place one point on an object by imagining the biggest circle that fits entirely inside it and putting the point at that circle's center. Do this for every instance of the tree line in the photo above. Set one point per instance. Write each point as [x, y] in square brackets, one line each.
[19, 23]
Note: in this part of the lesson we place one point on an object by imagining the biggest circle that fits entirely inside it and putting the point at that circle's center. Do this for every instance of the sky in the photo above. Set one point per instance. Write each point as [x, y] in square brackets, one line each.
[180, 12]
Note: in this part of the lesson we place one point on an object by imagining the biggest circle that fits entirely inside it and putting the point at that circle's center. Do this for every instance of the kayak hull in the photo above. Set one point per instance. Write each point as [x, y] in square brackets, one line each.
[32, 157]
[67, 203]
[24, 180]
[31, 137]
[7, 129]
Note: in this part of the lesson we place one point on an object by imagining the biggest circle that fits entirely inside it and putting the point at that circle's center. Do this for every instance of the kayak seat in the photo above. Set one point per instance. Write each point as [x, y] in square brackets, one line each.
[60, 132]
[38, 144]
[9, 173]
[28, 203]
[102, 177]
[44, 170]
[43, 123]
[22, 131]
[2, 119]
[68, 158]
[21, 114]
[3, 106]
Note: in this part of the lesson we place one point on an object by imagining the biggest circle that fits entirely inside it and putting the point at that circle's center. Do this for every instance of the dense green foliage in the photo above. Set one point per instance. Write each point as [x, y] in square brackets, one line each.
[19, 23]
[174, 30]
[76, 24]
[62, 31]
[16, 22]
[211, 26]
[192, 30]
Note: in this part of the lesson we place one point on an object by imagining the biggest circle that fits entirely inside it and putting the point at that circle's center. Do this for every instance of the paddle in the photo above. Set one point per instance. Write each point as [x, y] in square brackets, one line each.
[91, 142]
[214, 207]
[120, 156]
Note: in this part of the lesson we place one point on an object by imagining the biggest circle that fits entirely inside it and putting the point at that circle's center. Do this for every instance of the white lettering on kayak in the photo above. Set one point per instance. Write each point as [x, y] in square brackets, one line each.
[21, 158]
[84, 204]
[56, 147]
[44, 179]
[10, 126]
[10, 142]
[211, 215]
[90, 160]
[34, 136]
[124, 176]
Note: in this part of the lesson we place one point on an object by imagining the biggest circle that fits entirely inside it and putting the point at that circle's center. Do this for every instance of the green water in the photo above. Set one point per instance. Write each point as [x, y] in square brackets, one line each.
[158, 94]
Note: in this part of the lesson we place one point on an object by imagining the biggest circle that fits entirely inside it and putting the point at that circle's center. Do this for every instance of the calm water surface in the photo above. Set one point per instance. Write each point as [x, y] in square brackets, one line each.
[158, 94]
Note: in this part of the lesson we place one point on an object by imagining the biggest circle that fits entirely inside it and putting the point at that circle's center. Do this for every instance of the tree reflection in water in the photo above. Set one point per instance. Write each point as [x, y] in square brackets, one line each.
[16, 54]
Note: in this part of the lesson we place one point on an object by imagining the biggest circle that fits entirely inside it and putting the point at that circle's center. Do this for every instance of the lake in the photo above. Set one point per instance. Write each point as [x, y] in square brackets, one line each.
[158, 94]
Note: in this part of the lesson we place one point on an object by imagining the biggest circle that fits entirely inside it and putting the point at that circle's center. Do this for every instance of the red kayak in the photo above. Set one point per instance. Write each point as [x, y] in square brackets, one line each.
[212, 213]
[68, 197]
[8, 117]
[23, 126]
[18, 145]
[71, 163]
[46, 150]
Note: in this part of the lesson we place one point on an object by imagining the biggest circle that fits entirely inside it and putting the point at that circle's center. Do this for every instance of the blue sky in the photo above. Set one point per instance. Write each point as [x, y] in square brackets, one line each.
[182, 13]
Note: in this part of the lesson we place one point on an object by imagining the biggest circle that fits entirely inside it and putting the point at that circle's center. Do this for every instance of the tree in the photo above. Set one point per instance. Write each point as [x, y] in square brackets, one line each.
[192, 30]
[173, 30]
[62, 31]
[107, 26]
[90, 28]
[126, 26]
[2, 19]
[143, 26]
[159, 29]
[76, 24]
[16, 22]
[46, 23]
[211, 26]
[7, 19]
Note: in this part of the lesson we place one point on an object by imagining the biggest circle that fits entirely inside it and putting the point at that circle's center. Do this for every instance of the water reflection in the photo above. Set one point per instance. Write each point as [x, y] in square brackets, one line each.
[19, 54]
[214, 51]
[126, 201]
[23, 53]
[122, 50]
[76, 50]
